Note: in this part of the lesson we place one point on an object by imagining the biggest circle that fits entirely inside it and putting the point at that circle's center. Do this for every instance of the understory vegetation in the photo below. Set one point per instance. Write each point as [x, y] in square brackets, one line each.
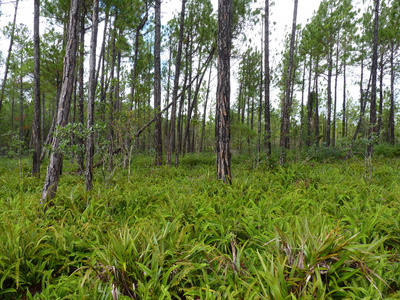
[314, 229]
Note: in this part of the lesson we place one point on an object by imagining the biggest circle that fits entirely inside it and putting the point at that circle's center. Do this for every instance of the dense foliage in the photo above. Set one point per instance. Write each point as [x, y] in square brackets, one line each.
[322, 229]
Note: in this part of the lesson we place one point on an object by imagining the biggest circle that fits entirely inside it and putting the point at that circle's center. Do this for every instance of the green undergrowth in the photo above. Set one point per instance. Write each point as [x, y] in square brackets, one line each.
[304, 231]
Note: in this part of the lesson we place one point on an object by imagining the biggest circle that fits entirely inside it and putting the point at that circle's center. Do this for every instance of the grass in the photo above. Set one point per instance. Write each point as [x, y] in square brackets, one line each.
[306, 231]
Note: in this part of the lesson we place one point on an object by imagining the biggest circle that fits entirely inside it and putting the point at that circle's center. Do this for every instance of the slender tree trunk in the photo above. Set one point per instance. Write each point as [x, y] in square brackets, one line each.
[335, 97]
[157, 84]
[196, 93]
[267, 107]
[344, 123]
[91, 98]
[189, 63]
[329, 105]
[286, 107]
[36, 128]
[180, 121]
[223, 134]
[53, 170]
[167, 124]
[391, 111]
[316, 130]
[136, 56]
[171, 143]
[103, 90]
[309, 105]
[260, 102]
[203, 125]
[21, 106]
[111, 98]
[302, 105]
[3, 86]
[380, 95]
[372, 117]
[80, 140]
[42, 120]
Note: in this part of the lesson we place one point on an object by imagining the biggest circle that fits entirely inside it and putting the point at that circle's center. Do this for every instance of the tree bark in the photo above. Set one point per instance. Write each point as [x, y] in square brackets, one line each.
[36, 128]
[223, 134]
[344, 123]
[391, 111]
[171, 143]
[91, 98]
[80, 140]
[203, 125]
[157, 84]
[53, 170]
[372, 116]
[3, 86]
[286, 106]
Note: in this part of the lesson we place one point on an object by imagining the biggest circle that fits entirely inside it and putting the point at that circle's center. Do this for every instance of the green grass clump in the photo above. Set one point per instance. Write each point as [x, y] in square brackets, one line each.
[303, 231]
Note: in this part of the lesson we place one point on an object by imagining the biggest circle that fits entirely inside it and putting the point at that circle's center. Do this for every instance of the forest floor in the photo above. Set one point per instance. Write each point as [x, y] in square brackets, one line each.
[309, 230]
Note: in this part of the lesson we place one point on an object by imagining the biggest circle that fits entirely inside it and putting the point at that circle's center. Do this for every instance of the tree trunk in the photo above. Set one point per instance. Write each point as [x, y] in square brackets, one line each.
[91, 98]
[171, 143]
[157, 84]
[21, 106]
[391, 111]
[196, 93]
[329, 104]
[79, 140]
[103, 89]
[267, 105]
[53, 170]
[344, 123]
[111, 97]
[223, 134]
[286, 106]
[203, 125]
[316, 128]
[372, 116]
[380, 95]
[3, 86]
[309, 105]
[36, 128]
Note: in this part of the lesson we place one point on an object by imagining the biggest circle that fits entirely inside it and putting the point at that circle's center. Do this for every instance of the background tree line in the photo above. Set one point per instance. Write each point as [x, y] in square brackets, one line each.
[105, 81]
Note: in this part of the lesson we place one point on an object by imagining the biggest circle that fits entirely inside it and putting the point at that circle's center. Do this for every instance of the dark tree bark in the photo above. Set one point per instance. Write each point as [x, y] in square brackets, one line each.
[381, 67]
[3, 86]
[316, 119]
[329, 104]
[344, 122]
[196, 93]
[111, 97]
[203, 125]
[55, 164]
[91, 97]
[285, 123]
[101, 64]
[36, 128]
[136, 56]
[157, 84]
[374, 67]
[260, 102]
[309, 105]
[79, 140]
[391, 111]
[21, 106]
[171, 143]
[302, 104]
[223, 133]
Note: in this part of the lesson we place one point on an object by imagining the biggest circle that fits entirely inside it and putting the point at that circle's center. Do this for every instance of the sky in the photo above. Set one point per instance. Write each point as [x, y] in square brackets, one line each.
[280, 20]
[281, 16]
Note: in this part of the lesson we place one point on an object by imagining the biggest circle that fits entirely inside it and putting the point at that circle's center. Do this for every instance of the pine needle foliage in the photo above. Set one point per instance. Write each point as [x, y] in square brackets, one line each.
[304, 231]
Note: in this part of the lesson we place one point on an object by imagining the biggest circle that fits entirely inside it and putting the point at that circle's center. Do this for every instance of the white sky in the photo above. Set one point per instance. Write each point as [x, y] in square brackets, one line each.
[281, 16]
